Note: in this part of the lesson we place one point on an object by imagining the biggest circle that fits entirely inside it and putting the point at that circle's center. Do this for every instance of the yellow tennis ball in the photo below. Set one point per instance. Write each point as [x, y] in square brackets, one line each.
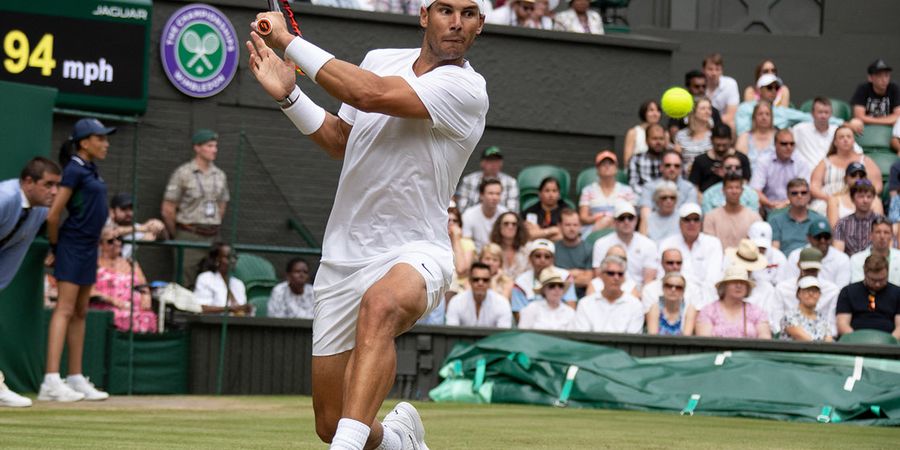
[677, 102]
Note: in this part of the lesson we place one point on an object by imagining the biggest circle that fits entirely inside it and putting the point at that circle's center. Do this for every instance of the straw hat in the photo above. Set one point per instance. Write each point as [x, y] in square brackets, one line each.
[736, 272]
[747, 256]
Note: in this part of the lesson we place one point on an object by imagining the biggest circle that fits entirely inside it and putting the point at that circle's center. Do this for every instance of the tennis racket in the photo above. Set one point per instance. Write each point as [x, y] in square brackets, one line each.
[264, 26]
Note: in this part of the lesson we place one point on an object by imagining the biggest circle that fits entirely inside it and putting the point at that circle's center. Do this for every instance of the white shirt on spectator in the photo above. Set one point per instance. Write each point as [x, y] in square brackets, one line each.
[835, 266]
[786, 291]
[284, 303]
[764, 297]
[812, 145]
[725, 95]
[495, 311]
[539, 316]
[478, 227]
[859, 258]
[641, 253]
[597, 314]
[210, 290]
[706, 256]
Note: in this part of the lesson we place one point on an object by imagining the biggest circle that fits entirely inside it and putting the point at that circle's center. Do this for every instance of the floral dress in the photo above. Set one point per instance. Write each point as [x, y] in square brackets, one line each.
[117, 285]
[818, 328]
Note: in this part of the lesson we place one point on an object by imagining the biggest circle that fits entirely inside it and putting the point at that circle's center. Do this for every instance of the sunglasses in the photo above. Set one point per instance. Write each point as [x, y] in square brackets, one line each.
[771, 87]
[787, 143]
[479, 280]
[672, 165]
[624, 218]
[677, 287]
[555, 286]
[111, 241]
[541, 256]
[871, 302]
[613, 273]
[673, 263]
[798, 193]
[822, 237]
[667, 197]
[691, 220]
[730, 167]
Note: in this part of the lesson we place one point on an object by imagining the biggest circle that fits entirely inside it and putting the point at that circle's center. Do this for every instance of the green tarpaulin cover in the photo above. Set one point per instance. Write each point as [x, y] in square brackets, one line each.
[531, 368]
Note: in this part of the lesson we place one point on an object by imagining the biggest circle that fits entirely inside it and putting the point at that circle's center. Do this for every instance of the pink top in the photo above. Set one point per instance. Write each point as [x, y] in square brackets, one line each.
[115, 285]
[721, 327]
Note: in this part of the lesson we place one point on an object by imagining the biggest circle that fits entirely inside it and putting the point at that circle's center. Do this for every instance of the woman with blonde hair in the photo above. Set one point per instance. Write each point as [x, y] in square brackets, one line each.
[666, 318]
[492, 255]
[827, 178]
[694, 140]
[761, 137]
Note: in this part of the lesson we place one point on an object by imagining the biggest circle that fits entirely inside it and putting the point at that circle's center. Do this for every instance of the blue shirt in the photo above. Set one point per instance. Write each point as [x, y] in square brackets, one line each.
[714, 197]
[87, 207]
[13, 251]
[789, 233]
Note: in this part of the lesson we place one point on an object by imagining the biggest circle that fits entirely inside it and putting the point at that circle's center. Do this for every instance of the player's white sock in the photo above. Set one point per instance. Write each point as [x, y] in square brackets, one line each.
[77, 378]
[350, 435]
[391, 440]
[52, 378]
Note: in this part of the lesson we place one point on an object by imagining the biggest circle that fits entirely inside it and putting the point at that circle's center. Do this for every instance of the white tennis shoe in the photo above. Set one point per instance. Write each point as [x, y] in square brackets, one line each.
[84, 386]
[11, 399]
[58, 392]
[405, 420]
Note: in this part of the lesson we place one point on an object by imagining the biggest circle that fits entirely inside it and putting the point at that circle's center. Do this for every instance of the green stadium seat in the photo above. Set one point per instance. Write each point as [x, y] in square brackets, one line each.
[585, 178]
[260, 288]
[875, 137]
[868, 337]
[260, 305]
[622, 176]
[884, 159]
[529, 200]
[530, 181]
[591, 238]
[250, 267]
[839, 108]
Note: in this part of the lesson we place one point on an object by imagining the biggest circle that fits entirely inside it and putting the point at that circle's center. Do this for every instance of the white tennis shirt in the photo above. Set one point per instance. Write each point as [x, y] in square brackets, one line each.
[398, 174]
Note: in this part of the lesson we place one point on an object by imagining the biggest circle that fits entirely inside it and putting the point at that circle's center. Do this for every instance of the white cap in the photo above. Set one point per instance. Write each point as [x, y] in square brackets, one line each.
[541, 244]
[761, 234]
[689, 208]
[808, 282]
[767, 79]
[479, 3]
[622, 208]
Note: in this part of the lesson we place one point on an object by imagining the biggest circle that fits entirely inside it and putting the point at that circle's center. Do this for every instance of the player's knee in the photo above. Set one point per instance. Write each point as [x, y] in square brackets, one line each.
[326, 429]
[378, 309]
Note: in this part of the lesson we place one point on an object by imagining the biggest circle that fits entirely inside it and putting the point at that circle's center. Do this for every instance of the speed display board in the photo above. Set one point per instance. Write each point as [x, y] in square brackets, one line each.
[95, 52]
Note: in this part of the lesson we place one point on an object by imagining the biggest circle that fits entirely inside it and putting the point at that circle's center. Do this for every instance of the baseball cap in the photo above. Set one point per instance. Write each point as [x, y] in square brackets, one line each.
[121, 200]
[810, 258]
[808, 282]
[492, 152]
[479, 3]
[689, 208]
[818, 227]
[203, 136]
[606, 154]
[541, 244]
[855, 167]
[761, 234]
[623, 208]
[767, 79]
[89, 127]
[878, 66]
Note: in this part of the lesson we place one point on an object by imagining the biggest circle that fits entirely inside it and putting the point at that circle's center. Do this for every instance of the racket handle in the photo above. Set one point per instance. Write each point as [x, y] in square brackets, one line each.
[263, 27]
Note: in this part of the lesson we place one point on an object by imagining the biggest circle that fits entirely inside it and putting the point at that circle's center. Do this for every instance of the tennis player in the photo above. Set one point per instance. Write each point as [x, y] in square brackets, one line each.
[409, 122]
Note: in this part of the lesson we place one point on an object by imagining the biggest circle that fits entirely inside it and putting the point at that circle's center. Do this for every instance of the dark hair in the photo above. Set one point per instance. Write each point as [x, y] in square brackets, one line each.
[875, 263]
[758, 71]
[671, 152]
[721, 131]
[37, 167]
[642, 112]
[881, 220]
[797, 182]
[781, 131]
[454, 211]
[485, 182]
[732, 176]
[690, 75]
[210, 262]
[521, 234]
[548, 180]
[654, 126]
[862, 185]
[713, 58]
[479, 265]
[66, 151]
[293, 261]
[832, 150]
[822, 101]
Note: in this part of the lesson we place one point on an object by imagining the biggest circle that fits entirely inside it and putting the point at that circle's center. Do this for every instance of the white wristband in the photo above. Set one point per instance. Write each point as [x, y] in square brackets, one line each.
[307, 116]
[307, 56]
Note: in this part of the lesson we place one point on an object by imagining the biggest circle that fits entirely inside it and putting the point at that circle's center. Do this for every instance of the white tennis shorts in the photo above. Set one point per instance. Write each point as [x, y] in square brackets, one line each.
[339, 290]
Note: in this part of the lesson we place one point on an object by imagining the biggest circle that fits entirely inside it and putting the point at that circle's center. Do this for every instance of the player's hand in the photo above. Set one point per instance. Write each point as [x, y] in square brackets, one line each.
[276, 75]
[50, 259]
[279, 37]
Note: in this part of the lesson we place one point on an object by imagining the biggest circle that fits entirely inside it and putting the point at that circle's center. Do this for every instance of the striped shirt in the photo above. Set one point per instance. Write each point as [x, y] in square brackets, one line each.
[854, 232]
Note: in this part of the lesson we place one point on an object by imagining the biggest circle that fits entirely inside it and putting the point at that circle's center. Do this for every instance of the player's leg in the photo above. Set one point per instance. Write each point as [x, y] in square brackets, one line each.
[67, 297]
[328, 392]
[75, 331]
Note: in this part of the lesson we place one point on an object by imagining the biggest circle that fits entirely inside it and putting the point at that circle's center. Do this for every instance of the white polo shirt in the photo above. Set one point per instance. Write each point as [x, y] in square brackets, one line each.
[597, 314]
[835, 267]
[641, 253]
[726, 94]
[495, 311]
[858, 258]
[478, 227]
[539, 316]
[706, 256]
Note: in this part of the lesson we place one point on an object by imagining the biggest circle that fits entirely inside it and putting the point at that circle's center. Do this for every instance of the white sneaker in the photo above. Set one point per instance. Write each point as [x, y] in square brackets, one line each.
[11, 399]
[84, 386]
[405, 420]
[58, 392]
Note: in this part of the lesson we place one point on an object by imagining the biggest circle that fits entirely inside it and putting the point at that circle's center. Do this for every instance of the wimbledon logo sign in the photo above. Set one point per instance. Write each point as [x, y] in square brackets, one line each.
[199, 50]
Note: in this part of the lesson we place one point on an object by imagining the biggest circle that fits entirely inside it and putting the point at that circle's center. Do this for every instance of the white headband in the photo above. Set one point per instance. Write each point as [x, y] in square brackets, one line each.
[478, 3]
